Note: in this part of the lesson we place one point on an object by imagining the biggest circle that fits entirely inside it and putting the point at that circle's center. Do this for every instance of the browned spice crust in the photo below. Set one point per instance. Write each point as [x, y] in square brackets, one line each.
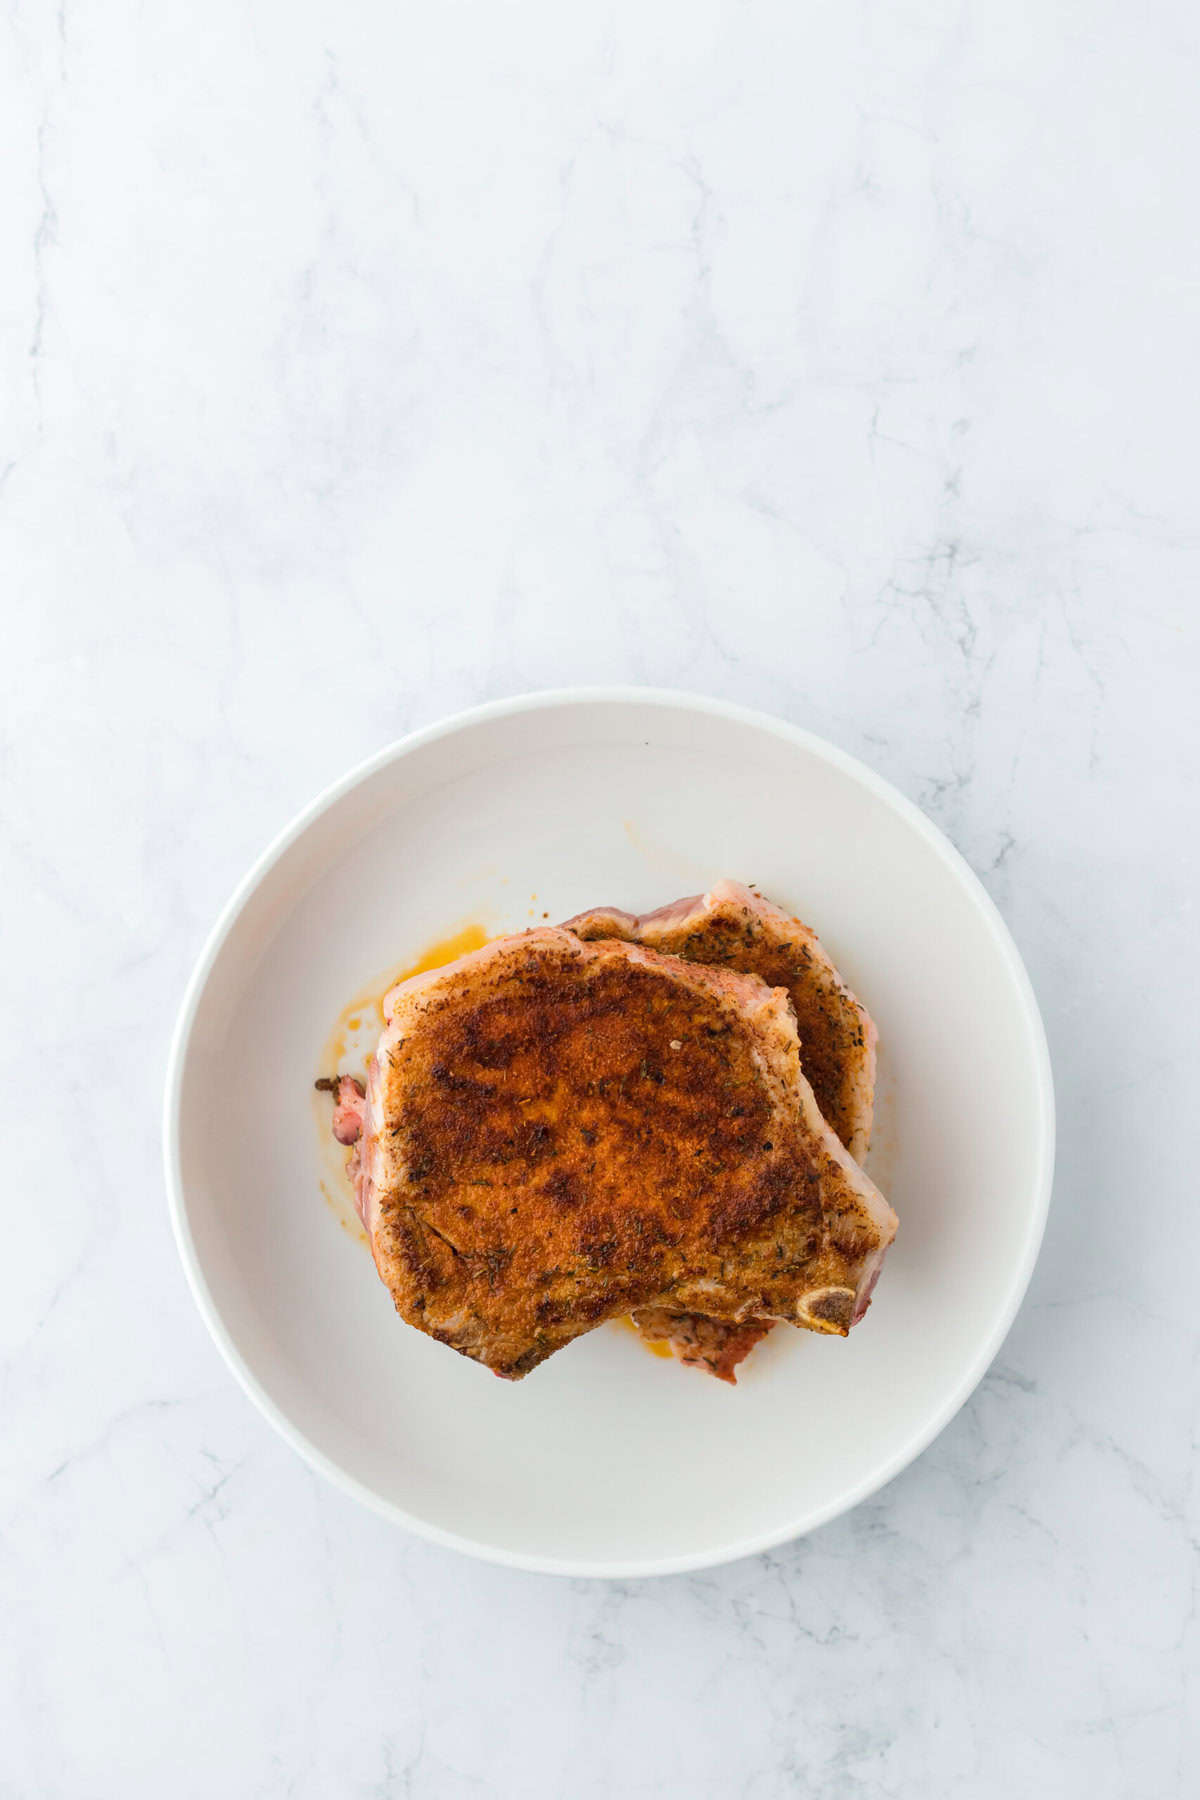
[564, 1133]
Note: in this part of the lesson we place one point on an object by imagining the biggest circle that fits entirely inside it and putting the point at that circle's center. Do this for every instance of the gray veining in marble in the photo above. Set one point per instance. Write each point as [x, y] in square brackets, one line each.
[359, 363]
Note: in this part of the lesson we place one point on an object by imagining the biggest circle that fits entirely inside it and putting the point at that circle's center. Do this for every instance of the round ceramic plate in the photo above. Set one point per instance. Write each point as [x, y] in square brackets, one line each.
[606, 1460]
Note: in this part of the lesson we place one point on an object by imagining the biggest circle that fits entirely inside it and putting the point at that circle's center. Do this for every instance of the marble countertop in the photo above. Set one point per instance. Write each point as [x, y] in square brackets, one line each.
[363, 363]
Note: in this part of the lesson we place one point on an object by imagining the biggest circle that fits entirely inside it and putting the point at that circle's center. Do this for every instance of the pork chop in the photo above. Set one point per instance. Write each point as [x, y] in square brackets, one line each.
[559, 1132]
[733, 927]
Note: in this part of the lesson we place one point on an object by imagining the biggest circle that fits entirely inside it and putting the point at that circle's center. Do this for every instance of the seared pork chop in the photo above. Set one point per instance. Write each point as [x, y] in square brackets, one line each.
[733, 927]
[560, 1132]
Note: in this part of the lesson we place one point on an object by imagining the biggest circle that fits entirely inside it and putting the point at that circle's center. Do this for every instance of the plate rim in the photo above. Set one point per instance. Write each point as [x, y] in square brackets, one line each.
[544, 700]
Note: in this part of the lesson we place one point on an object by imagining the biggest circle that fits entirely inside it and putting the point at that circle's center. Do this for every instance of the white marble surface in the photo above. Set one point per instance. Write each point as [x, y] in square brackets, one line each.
[361, 362]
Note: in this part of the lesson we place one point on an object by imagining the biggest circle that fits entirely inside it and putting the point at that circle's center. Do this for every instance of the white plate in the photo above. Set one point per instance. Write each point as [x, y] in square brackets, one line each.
[606, 1461]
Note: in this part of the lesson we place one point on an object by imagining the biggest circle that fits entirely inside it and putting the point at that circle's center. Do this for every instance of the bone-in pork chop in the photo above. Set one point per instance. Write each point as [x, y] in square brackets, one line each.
[733, 927]
[560, 1132]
